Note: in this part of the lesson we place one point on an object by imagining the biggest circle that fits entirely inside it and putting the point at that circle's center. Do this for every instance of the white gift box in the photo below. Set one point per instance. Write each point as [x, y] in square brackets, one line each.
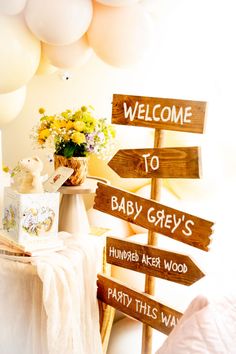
[30, 219]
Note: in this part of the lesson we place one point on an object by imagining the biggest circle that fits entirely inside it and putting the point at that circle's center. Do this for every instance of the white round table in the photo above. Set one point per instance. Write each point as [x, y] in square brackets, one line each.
[72, 214]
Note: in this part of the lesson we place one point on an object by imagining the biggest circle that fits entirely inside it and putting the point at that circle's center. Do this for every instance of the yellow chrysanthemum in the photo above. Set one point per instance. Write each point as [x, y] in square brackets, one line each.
[79, 126]
[44, 134]
[78, 138]
[57, 124]
[66, 137]
[50, 119]
[69, 125]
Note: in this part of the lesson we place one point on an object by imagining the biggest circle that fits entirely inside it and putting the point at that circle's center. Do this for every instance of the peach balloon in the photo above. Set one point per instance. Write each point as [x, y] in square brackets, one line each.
[20, 53]
[11, 104]
[12, 7]
[117, 2]
[68, 56]
[58, 22]
[120, 35]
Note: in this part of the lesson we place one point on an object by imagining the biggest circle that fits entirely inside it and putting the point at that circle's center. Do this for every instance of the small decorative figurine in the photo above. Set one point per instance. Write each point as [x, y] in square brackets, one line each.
[26, 178]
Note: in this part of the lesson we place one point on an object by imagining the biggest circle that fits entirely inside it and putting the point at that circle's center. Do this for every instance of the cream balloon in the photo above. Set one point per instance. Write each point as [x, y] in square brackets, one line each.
[11, 104]
[120, 35]
[45, 66]
[117, 2]
[58, 22]
[12, 7]
[69, 56]
[20, 53]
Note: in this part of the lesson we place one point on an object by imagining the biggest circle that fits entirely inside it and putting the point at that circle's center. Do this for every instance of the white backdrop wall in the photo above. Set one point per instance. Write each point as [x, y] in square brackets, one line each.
[193, 57]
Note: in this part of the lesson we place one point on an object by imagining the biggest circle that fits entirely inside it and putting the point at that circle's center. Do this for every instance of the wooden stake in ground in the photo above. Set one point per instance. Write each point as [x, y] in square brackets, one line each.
[152, 241]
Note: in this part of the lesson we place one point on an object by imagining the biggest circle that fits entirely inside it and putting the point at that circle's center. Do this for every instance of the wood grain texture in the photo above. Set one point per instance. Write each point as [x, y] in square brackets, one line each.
[179, 162]
[150, 260]
[147, 332]
[140, 306]
[154, 216]
[198, 110]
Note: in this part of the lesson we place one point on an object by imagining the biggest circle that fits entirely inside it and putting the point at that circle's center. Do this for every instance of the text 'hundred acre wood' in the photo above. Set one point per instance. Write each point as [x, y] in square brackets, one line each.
[153, 261]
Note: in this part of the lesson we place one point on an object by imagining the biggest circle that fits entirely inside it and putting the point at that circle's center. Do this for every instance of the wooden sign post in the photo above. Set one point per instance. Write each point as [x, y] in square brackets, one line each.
[152, 240]
[139, 306]
[154, 216]
[152, 261]
[156, 163]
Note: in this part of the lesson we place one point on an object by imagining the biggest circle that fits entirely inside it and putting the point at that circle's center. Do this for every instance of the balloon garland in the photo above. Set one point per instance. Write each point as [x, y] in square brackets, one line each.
[62, 34]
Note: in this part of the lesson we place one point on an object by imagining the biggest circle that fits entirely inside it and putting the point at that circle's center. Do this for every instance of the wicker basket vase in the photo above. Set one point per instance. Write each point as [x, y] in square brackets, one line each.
[79, 165]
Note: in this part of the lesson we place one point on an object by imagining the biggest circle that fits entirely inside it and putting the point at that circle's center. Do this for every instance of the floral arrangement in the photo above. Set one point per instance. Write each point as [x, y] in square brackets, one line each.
[74, 134]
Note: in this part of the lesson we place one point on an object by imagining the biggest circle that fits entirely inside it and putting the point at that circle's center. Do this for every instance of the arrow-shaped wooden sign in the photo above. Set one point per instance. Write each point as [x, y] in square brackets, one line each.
[142, 307]
[180, 162]
[153, 261]
[154, 216]
[159, 113]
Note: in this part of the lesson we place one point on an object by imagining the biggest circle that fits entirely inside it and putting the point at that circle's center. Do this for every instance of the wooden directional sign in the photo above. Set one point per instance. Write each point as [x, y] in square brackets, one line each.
[150, 260]
[154, 216]
[159, 113]
[143, 307]
[180, 162]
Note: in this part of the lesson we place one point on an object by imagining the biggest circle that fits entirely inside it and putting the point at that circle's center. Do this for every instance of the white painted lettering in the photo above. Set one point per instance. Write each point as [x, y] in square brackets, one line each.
[168, 221]
[168, 117]
[169, 320]
[181, 115]
[141, 111]
[175, 267]
[155, 118]
[128, 112]
[188, 231]
[114, 204]
[147, 118]
[187, 114]
[176, 223]
[145, 156]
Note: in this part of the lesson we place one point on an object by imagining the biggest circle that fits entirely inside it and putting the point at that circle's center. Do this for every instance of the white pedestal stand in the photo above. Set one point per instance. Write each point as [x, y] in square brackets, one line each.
[72, 215]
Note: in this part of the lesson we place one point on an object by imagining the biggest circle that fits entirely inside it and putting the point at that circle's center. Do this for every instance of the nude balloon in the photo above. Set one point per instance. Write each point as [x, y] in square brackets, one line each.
[117, 2]
[45, 67]
[11, 104]
[68, 56]
[58, 22]
[120, 35]
[12, 7]
[20, 53]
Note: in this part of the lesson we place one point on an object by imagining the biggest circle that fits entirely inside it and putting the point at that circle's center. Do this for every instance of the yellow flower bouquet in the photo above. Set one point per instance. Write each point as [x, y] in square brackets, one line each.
[74, 134]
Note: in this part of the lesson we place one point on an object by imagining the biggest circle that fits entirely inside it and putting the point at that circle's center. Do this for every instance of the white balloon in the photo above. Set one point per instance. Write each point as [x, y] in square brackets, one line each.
[58, 22]
[12, 7]
[68, 56]
[117, 2]
[20, 53]
[11, 104]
